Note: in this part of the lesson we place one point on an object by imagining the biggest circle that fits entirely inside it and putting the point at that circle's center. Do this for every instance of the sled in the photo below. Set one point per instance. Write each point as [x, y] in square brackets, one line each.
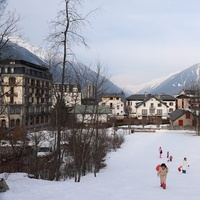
[179, 168]
[157, 167]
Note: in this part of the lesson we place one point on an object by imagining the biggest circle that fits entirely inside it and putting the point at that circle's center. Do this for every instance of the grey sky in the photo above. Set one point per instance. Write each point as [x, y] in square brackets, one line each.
[136, 40]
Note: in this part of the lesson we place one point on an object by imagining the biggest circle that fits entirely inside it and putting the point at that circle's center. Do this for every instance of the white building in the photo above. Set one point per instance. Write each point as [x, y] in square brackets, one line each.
[153, 106]
[115, 101]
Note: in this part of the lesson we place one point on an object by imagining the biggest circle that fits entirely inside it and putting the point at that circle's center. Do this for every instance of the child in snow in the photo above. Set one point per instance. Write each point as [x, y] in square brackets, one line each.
[162, 172]
[160, 152]
[170, 158]
[168, 154]
[184, 165]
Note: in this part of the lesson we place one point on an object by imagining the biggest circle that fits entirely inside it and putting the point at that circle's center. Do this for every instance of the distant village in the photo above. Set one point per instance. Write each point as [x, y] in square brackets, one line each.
[28, 95]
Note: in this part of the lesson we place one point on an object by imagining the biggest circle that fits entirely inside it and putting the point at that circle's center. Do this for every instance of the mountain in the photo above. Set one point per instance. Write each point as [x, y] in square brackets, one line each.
[173, 83]
[15, 51]
[18, 48]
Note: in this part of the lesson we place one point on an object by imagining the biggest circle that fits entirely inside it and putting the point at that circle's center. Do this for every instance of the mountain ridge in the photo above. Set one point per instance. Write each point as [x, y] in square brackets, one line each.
[174, 83]
[18, 48]
[171, 84]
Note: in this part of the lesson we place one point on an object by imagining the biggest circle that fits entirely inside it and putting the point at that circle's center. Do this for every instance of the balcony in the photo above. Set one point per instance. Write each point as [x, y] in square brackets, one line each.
[38, 94]
[15, 94]
[47, 95]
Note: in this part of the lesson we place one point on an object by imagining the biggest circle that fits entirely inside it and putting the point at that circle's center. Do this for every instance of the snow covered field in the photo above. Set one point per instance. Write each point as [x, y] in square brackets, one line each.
[130, 173]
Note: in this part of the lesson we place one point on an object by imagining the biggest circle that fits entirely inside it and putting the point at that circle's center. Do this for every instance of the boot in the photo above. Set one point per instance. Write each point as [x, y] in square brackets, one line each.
[161, 184]
[164, 186]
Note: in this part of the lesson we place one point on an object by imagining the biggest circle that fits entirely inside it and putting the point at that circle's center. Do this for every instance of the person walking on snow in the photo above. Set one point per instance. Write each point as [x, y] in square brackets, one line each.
[184, 165]
[162, 172]
[160, 152]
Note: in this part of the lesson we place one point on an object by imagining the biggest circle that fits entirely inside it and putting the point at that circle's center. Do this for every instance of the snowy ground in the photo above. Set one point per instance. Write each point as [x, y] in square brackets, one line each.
[130, 173]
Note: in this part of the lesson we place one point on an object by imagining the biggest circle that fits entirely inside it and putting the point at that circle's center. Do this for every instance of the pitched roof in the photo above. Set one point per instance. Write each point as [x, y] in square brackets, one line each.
[182, 96]
[142, 97]
[137, 97]
[177, 114]
[147, 99]
[166, 97]
[88, 109]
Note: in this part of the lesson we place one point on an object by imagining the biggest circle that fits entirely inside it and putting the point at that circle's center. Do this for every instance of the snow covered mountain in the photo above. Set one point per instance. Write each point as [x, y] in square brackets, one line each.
[18, 48]
[173, 83]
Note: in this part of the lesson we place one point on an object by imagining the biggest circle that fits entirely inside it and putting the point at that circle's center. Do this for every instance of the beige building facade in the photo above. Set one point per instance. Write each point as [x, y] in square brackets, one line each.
[25, 94]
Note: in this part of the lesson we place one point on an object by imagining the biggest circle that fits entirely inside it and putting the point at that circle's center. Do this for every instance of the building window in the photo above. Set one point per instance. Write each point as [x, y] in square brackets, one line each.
[67, 89]
[75, 89]
[12, 70]
[159, 105]
[187, 115]
[18, 110]
[11, 90]
[159, 112]
[46, 119]
[171, 104]
[11, 99]
[171, 110]
[144, 111]
[15, 110]
[3, 123]
[12, 110]
[42, 109]
[37, 121]
[6, 70]
[37, 110]
[17, 122]
[152, 111]
[32, 110]
[42, 119]
[12, 122]
[32, 121]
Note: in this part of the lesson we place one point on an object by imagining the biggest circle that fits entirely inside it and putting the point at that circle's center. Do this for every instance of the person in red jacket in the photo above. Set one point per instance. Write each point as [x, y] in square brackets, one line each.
[162, 172]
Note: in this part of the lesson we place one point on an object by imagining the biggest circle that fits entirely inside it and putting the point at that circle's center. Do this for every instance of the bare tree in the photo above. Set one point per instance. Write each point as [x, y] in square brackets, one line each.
[65, 32]
[8, 24]
[8, 27]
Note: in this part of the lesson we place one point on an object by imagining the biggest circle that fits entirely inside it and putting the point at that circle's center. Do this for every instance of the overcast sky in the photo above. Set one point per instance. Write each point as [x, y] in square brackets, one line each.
[135, 40]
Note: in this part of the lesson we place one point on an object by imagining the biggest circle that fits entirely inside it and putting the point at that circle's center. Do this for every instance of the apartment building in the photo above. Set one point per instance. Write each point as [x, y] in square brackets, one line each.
[25, 94]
